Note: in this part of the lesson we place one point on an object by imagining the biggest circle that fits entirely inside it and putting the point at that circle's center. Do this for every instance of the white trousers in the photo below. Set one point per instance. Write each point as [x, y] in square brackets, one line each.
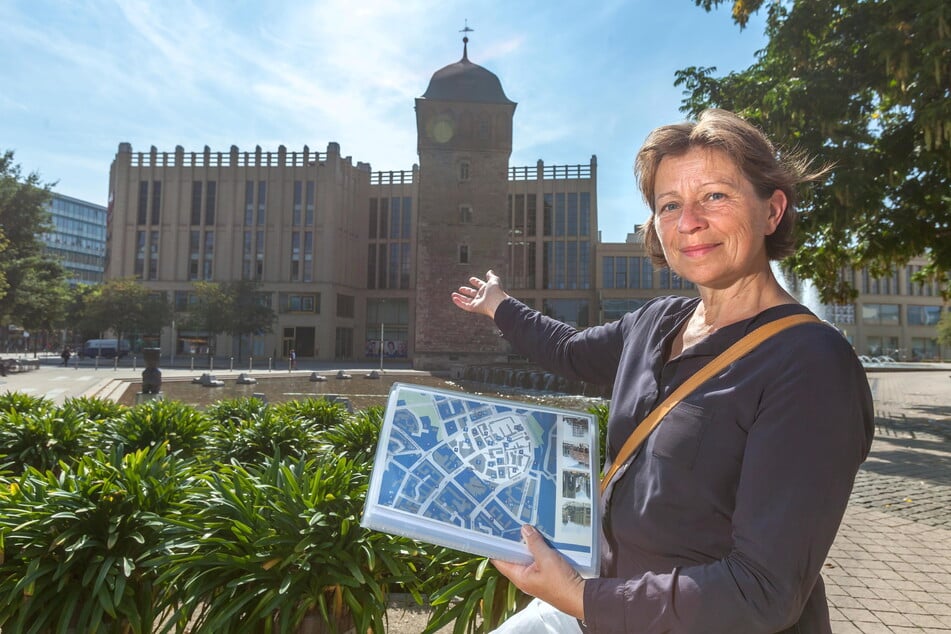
[539, 618]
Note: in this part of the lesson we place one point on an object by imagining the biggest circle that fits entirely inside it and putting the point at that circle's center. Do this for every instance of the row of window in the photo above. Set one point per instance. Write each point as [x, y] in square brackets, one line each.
[638, 272]
[88, 229]
[563, 214]
[890, 315]
[287, 302]
[390, 231]
[201, 253]
[204, 203]
[922, 348]
[889, 285]
[78, 211]
[391, 218]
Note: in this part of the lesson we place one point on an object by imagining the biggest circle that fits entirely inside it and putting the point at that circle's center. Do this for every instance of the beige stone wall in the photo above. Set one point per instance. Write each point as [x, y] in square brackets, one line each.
[339, 229]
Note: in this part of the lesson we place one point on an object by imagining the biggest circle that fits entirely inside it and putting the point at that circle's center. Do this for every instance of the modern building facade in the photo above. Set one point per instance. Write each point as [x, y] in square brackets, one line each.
[893, 315]
[78, 238]
[359, 264]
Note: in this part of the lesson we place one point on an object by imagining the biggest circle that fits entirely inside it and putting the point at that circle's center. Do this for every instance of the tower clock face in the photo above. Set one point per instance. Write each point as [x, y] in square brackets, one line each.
[442, 129]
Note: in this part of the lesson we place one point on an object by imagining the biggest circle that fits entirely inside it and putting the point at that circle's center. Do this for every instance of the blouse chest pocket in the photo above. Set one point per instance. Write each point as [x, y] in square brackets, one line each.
[679, 434]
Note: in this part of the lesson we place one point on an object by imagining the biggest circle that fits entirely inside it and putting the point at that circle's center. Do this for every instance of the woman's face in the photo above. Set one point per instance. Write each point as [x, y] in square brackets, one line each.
[711, 223]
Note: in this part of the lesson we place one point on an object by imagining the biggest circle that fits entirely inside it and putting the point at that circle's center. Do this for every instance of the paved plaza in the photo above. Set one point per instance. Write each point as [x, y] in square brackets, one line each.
[890, 567]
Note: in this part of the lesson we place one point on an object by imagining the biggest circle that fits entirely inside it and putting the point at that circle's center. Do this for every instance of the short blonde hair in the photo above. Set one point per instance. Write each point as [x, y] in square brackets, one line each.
[750, 151]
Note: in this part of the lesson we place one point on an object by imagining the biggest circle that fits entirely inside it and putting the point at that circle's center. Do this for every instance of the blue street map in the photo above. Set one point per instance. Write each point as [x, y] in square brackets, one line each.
[449, 463]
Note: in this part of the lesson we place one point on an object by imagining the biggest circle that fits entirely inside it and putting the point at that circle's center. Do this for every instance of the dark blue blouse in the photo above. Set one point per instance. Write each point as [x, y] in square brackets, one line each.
[723, 519]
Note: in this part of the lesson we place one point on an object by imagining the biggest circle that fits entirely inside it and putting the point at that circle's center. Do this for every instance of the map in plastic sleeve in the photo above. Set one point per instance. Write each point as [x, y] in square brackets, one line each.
[466, 472]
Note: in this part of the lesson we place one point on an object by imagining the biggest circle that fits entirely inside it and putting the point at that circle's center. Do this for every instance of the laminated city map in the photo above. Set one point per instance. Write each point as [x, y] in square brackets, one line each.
[467, 472]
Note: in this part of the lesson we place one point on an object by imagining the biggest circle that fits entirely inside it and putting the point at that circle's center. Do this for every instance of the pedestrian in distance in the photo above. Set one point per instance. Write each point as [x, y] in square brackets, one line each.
[718, 520]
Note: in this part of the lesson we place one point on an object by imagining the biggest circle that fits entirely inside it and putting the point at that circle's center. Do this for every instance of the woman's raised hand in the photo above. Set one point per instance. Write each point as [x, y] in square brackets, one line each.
[481, 296]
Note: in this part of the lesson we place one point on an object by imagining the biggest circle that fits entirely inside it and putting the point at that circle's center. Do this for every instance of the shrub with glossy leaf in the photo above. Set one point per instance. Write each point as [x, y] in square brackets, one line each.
[94, 409]
[152, 423]
[80, 549]
[235, 409]
[42, 437]
[23, 403]
[262, 435]
[472, 595]
[356, 437]
[271, 544]
[318, 413]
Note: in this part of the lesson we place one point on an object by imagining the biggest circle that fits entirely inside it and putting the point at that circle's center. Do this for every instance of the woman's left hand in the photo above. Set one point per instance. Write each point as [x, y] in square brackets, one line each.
[549, 577]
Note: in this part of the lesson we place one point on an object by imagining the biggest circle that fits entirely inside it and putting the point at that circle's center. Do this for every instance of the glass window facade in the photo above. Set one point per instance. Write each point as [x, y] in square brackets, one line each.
[614, 309]
[923, 315]
[390, 234]
[571, 311]
[77, 238]
[881, 314]
[633, 272]
[391, 317]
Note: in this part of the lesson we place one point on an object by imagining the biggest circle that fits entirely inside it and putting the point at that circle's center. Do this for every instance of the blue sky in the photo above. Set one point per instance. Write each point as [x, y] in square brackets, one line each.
[590, 78]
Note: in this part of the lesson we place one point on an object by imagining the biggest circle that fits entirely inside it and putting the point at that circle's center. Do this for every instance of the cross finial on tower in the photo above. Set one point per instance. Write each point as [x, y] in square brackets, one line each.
[465, 39]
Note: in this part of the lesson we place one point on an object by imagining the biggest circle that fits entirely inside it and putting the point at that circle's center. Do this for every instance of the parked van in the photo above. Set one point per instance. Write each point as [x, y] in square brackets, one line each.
[107, 348]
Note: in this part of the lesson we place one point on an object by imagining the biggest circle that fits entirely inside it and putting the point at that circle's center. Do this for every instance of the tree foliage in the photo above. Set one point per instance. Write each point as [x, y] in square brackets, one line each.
[31, 285]
[41, 296]
[864, 85]
[77, 318]
[125, 307]
[944, 328]
[210, 313]
[234, 308]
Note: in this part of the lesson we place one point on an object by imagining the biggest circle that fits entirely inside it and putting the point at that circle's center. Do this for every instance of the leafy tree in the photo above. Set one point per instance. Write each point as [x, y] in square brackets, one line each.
[249, 315]
[864, 85]
[944, 329]
[76, 319]
[234, 308]
[27, 277]
[126, 307]
[210, 313]
[41, 297]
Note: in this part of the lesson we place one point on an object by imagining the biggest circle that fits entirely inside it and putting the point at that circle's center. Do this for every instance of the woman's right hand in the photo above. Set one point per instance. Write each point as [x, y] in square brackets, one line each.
[481, 296]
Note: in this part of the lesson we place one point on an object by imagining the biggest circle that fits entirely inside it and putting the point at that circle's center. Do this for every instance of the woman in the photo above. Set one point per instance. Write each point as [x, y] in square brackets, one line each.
[722, 520]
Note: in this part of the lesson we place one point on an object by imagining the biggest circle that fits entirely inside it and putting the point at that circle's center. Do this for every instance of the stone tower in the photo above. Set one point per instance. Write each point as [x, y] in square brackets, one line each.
[464, 141]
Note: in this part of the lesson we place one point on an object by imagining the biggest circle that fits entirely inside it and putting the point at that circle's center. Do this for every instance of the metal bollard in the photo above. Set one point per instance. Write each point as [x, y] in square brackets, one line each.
[133, 363]
[231, 368]
[250, 363]
[270, 363]
[193, 363]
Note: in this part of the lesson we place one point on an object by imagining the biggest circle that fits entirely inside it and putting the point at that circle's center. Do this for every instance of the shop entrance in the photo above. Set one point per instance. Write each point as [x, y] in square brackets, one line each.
[301, 339]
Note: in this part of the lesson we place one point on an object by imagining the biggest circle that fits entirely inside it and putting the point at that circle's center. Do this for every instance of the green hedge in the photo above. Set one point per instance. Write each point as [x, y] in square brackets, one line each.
[241, 518]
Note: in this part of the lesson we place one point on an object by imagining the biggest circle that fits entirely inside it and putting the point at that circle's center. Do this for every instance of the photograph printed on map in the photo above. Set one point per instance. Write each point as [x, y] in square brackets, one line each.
[466, 472]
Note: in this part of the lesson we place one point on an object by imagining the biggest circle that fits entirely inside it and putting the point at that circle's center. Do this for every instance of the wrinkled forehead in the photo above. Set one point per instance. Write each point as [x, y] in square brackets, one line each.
[695, 167]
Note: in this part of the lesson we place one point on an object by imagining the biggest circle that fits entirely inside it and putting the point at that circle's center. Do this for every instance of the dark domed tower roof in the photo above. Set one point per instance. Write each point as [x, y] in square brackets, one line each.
[465, 81]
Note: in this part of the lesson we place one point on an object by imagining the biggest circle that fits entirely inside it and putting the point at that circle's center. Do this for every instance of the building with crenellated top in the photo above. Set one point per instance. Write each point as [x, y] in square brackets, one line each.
[353, 259]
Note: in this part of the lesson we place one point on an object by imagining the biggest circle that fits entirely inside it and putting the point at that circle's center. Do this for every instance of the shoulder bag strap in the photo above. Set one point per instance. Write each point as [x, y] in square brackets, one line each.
[721, 361]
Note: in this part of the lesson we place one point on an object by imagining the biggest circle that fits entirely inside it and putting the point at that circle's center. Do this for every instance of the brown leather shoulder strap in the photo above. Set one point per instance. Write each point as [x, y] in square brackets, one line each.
[721, 361]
